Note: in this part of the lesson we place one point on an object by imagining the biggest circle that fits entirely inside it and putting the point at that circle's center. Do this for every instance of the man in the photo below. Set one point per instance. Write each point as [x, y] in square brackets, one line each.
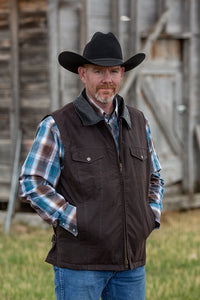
[93, 174]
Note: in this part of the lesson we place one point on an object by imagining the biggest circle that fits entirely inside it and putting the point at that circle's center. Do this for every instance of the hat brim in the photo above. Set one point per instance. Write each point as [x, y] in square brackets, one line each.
[72, 61]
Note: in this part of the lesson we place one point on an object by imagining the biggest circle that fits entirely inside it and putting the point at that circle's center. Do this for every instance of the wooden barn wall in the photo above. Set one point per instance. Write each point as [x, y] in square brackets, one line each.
[5, 84]
[171, 71]
[195, 90]
[5, 99]
[174, 56]
[33, 64]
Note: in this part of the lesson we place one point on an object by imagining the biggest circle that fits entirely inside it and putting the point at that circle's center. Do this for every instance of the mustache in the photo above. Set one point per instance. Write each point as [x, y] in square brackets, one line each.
[105, 86]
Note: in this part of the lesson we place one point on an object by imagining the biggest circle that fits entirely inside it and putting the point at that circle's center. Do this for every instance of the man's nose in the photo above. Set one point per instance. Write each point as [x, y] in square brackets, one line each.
[107, 77]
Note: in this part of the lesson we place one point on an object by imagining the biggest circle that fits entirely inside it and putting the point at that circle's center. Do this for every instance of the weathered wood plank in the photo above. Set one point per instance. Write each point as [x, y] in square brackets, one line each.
[5, 173]
[181, 202]
[191, 97]
[31, 6]
[5, 151]
[178, 20]
[14, 113]
[160, 116]
[53, 53]
[30, 20]
[5, 192]
[171, 169]
[197, 132]
[83, 23]
[30, 123]
[115, 16]
[134, 27]
[98, 9]
[4, 6]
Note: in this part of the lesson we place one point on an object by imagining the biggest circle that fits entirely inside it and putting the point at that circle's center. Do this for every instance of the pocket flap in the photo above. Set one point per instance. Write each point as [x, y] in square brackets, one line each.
[86, 157]
[140, 153]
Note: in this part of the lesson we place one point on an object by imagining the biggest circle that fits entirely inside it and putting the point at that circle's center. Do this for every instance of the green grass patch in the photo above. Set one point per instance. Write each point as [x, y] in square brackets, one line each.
[23, 272]
[173, 258]
[172, 270]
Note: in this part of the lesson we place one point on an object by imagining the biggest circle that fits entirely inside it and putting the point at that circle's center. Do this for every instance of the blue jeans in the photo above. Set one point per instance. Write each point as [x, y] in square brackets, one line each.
[91, 285]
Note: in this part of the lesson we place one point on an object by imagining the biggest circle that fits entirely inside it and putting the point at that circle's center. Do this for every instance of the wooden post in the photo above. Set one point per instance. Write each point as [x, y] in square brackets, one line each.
[115, 17]
[189, 101]
[134, 30]
[14, 69]
[197, 133]
[83, 25]
[53, 53]
[134, 45]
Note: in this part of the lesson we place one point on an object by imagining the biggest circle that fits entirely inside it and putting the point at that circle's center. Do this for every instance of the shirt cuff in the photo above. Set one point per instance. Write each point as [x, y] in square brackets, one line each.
[157, 214]
[68, 219]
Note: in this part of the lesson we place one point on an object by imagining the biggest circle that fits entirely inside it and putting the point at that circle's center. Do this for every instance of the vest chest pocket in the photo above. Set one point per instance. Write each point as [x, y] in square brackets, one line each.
[139, 153]
[86, 157]
[88, 173]
[138, 163]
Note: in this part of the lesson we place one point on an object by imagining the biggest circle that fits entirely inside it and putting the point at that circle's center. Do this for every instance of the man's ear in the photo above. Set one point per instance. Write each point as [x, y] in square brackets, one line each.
[82, 72]
[122, 71]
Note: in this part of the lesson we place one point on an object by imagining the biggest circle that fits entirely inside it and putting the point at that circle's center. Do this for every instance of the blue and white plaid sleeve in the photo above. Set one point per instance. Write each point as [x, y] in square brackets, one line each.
[156, 188]
[40, 174]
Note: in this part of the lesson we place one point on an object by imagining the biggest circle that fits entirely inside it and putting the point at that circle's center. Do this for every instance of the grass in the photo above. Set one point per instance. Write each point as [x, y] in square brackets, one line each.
[23, 272]
[172, 270]
[173, 258]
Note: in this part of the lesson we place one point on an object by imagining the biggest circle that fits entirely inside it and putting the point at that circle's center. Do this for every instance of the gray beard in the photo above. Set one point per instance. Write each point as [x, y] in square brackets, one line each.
[103, 101]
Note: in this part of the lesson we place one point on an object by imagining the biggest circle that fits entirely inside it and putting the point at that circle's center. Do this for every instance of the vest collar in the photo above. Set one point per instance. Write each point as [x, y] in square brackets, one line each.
[90, 117]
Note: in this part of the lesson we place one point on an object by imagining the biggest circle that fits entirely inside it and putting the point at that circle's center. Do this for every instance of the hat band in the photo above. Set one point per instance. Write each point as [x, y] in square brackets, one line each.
[105, 61]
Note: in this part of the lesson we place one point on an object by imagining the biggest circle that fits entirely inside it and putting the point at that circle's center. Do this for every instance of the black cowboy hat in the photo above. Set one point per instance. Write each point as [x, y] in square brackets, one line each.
[102, 50]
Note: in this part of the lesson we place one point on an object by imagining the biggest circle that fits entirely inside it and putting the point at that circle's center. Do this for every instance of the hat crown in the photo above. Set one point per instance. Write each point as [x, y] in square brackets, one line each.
[103, 46]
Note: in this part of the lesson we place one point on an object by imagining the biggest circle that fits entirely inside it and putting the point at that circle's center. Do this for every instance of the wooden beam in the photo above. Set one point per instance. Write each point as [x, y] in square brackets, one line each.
[14, 72]
[134, 44]
[83, 25]
[157, 29]
[53, 53]
[190, 97]
[115, 17]
[161, 117]
[134, 30]
[197, 133]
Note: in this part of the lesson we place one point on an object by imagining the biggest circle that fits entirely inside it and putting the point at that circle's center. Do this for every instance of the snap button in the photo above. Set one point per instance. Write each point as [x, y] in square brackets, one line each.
[88, 158]
[142, 156]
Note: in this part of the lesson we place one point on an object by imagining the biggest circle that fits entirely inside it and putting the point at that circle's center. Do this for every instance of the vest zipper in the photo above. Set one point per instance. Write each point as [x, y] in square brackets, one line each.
[126, 262]
[121, 171]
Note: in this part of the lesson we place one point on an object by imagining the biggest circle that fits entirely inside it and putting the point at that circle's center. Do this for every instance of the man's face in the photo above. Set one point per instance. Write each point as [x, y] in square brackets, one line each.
[101, 83]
